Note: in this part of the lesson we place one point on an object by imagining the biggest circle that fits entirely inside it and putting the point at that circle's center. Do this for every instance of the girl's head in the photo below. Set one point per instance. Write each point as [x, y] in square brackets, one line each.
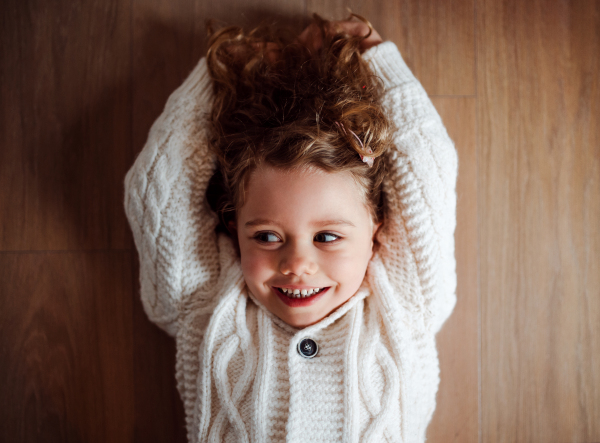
[289, 131]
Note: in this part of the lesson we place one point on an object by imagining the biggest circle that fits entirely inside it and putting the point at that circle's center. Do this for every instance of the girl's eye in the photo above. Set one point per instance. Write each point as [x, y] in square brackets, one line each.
[266, 237]
[326, 237]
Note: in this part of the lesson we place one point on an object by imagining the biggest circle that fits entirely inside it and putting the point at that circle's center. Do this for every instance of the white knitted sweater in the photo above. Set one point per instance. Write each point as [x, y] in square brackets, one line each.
[238, 371]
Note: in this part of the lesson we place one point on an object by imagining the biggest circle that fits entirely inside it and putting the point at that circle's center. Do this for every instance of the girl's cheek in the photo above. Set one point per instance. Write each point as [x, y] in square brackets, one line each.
[255, 262]
[349, 265]
[345, 266]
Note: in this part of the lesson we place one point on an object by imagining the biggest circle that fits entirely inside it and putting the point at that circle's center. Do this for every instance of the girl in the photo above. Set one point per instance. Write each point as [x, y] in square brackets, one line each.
[309, 314]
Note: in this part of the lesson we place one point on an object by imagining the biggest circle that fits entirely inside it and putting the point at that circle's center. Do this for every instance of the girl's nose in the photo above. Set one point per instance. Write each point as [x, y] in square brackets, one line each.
[296, 261]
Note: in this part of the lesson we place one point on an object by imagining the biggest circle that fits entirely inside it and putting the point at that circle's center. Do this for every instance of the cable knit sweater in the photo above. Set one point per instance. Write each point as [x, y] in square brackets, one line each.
[238, 370]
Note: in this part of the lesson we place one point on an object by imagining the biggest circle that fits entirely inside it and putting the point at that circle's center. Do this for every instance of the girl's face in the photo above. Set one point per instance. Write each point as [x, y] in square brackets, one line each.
[306, 231]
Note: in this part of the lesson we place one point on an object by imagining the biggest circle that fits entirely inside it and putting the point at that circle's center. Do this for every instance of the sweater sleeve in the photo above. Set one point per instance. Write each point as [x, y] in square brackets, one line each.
[419, 191]
[165, 203]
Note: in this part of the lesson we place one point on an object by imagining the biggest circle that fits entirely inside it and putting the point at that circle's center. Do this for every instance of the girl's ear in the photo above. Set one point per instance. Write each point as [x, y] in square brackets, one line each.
[376, 229]
[232, 228]
[374, 242]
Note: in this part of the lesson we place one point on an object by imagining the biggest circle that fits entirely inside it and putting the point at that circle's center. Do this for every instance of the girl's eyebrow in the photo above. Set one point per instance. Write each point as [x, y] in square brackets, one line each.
[264, 221]
[334, 222]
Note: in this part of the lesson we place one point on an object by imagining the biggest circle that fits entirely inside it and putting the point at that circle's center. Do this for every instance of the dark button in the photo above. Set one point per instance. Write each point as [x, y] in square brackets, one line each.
[307, 348]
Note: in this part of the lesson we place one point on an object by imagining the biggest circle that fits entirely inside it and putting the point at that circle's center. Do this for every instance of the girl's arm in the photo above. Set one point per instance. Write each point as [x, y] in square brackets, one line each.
[420, 190]
[165, 203]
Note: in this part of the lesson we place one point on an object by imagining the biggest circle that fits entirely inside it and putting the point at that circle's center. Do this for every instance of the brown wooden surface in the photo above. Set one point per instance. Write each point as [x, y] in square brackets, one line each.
[65, 131]
[81, 84]
[539, 219]
[66, 347]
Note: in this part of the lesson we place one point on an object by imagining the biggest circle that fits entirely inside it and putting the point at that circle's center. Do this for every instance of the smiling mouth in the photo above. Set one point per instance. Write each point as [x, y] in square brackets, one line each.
[300, 293]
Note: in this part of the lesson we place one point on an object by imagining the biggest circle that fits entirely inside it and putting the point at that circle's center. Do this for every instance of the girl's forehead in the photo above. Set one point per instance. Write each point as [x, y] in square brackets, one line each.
[307, 181]
[303, 192]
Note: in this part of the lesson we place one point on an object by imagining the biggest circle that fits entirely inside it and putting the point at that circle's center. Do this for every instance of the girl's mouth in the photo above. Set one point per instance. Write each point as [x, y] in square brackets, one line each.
[299, 297]
[299, 293]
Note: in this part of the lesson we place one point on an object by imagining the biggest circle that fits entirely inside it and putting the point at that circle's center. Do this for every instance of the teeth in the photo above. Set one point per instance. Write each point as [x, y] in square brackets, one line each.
[300, 293]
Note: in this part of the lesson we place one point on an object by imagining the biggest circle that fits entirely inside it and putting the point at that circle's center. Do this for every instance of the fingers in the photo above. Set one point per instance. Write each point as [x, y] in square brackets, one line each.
[359, 28]
[271, 51]
[312, 38]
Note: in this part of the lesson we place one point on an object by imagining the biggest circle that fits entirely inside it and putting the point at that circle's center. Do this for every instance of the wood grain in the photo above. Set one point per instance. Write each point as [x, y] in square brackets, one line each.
[456, 418]
[65, 129]
[539, 207]
[66, 347]
[435, 37]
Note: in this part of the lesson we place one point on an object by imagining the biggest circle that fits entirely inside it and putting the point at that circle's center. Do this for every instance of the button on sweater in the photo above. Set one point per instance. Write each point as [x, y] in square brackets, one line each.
[238, 367]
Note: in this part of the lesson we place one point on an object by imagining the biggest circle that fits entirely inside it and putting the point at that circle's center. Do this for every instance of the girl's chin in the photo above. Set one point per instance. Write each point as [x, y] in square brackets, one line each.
[301, 321]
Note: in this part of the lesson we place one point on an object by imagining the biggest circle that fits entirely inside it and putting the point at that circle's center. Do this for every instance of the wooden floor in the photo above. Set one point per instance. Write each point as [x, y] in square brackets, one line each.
[518, 85]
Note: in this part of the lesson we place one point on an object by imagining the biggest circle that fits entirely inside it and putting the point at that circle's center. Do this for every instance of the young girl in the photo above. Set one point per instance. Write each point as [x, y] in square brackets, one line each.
[310, 314]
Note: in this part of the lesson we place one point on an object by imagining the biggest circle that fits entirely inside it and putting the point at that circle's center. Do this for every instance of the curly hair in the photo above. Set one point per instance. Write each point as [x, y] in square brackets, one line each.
[292, 112]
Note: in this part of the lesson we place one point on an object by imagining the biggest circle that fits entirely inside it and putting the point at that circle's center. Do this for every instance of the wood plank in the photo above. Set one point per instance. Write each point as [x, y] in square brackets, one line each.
[456, 418]
[539, 206]
[65, 125]
[436, 38]
[66, 347]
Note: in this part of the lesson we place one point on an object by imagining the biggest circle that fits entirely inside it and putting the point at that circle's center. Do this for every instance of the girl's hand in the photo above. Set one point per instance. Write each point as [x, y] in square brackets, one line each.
[311, 37]
[271, 50]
